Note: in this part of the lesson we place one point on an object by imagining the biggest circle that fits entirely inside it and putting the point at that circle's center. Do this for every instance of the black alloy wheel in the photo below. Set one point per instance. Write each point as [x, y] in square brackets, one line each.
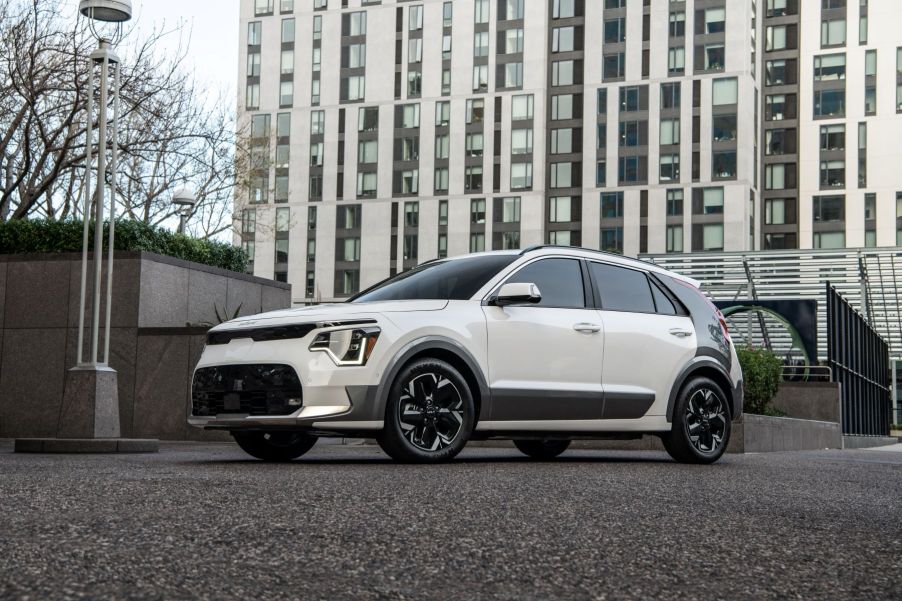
[430, 413]
[701, 423]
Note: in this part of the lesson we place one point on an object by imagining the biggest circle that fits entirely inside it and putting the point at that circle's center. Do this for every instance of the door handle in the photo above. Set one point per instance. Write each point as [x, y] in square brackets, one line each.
[587, 328]
[680, 333]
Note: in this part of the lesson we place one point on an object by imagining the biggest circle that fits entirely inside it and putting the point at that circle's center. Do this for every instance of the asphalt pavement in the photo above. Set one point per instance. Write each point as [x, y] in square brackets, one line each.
[203, 521]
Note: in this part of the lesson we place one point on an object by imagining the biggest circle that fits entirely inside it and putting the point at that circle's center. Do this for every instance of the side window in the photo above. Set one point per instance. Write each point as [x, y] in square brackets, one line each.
[622, 289]
[663, 304]
[559, 280]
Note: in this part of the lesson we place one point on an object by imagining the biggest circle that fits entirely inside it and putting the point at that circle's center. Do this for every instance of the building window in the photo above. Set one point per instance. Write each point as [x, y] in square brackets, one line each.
[830, 67]
[712, 237]
[715, 20]
[677, 28]
[775, 37]
[670, 95]
[829, 103]
[477, 242]
[613, 66]
[561, 175]
[828, 209]
[723, 128]
[252, 97]
[775, 211]
[833, 137]
[723, 164]
[628, 170]
[612, 239]
[674, 235]
[563, 73]
[440, 182]
[711, 202]
[833, 174]
[477, 211]
[614, 31]
[676, 60]
[559, 209]
[670, 167]
[521, 107]
[725, 91]
[254, 33]
[833, 32]
[674, 203]
[611, 205]
[521, 176]
[473, 179]
[670, 131]
[411, 247]
[521, 141]
[287, 31]
[475, 110]
[510, 209]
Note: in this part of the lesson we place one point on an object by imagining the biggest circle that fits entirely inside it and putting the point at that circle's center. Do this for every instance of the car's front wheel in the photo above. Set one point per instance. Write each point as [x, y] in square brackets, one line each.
[274, 446]
[701, 423]
[542, 449]
[429, 415]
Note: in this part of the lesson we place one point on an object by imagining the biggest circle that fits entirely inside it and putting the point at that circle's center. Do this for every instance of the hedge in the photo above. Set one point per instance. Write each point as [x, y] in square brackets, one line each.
[761, 375]
[46, 236]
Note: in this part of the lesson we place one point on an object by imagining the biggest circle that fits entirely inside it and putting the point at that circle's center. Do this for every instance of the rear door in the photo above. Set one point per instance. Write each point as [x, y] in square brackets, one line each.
[545, 359]
[648, 339]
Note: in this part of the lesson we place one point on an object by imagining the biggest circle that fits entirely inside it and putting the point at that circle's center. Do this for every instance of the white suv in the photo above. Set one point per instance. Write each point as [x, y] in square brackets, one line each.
[541, 346]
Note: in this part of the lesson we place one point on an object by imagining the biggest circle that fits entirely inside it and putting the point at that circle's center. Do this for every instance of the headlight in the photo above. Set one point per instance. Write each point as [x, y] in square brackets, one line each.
[347, 347]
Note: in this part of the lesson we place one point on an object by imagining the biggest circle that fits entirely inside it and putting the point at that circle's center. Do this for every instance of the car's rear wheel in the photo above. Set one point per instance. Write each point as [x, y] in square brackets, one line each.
[274, 446]
[542, 449]
[429, 415]
[701, 423]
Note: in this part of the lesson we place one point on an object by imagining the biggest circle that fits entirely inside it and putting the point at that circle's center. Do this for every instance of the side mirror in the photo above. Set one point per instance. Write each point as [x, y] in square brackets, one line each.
[512, 294]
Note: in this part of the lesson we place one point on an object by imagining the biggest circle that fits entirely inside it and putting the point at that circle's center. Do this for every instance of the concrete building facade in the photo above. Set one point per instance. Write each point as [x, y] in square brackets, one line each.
[383, 134]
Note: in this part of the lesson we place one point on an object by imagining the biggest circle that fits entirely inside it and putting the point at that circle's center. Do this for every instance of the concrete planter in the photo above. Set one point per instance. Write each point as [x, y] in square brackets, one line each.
[159, 304]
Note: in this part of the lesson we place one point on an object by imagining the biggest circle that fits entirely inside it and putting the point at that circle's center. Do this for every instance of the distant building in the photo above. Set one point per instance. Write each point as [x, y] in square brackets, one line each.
[390, 133]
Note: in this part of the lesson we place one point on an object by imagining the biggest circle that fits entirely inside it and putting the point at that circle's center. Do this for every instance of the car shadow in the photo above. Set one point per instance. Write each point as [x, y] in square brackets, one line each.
[599, 457]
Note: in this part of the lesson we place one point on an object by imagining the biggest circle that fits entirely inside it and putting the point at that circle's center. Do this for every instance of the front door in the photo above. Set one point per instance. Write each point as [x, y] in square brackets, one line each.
[545, 359]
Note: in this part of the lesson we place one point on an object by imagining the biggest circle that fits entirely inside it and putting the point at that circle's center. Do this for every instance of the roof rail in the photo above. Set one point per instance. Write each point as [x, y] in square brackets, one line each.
[605, 253]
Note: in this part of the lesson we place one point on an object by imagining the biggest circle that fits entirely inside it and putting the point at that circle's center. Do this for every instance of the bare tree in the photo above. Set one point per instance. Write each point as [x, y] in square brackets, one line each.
[172, 134]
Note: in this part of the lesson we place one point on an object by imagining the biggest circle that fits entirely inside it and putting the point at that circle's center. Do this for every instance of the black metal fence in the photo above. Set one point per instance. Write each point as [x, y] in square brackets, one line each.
[859, 359]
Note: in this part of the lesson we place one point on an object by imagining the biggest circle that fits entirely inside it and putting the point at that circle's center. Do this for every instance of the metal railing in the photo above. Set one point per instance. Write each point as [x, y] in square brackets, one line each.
[868, 278]
[859, 358]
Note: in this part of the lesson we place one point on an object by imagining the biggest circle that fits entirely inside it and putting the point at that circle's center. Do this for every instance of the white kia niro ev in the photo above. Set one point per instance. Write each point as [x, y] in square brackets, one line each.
[540, 346]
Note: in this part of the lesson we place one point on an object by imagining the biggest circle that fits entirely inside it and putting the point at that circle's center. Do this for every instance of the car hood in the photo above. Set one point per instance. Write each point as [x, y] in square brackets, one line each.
[331, 312]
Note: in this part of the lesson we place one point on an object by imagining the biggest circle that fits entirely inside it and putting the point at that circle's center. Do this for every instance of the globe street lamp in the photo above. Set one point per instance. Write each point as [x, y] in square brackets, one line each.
[91, 397]
[183, 200]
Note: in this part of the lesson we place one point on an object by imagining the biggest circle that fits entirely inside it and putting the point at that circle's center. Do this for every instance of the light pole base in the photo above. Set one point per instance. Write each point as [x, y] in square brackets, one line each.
[90, 403]
[86, 445]
[89, 418]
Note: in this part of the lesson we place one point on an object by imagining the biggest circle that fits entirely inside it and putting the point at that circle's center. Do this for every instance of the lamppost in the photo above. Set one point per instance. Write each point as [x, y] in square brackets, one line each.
[91, 398]
[183, 200]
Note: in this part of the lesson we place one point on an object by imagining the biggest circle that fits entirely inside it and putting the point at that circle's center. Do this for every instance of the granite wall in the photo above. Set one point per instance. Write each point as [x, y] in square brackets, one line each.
[162, 308]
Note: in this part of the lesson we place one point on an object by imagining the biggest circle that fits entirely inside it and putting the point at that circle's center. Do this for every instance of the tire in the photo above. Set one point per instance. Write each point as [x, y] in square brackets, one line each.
[542, 449]
[274, 446]
[701, 423]
[429, 415]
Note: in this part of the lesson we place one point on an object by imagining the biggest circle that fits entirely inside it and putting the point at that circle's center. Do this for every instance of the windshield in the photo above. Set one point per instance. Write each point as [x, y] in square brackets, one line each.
[459, 279]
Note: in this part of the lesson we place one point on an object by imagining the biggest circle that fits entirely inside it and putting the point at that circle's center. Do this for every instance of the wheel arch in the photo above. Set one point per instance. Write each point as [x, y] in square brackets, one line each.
[708, 368]
[444, 349]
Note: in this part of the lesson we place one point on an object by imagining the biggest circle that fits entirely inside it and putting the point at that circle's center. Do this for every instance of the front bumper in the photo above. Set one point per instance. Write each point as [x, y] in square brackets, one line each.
[354, 411]
[334, 399]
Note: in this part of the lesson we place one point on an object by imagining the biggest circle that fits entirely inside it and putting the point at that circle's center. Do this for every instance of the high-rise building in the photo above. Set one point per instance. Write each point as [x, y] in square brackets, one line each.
[386, 133]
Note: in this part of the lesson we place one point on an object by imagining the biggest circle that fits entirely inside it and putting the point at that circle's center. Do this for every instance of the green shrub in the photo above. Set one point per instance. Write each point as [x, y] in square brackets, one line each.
[761, 372]
[45, 236]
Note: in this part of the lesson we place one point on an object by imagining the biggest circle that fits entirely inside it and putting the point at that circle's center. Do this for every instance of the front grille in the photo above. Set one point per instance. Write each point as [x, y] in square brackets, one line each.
[262, 389]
